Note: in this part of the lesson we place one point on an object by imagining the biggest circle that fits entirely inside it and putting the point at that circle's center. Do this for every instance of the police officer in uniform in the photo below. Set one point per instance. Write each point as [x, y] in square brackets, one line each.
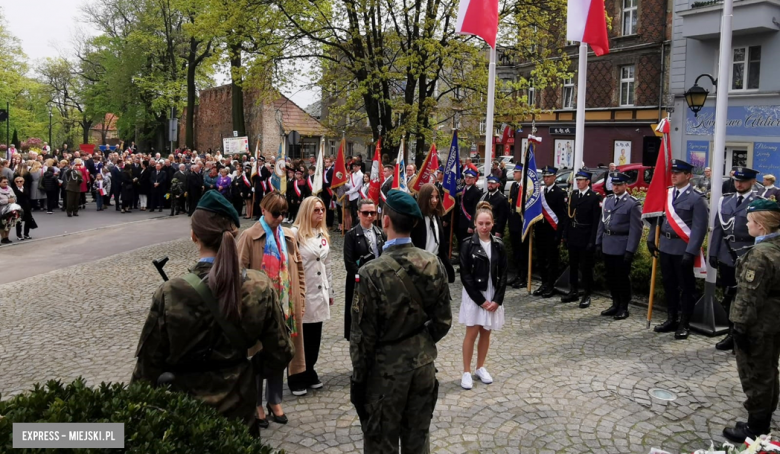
[677, 255]
[730, 238]
[519, 247]
[756, 317]
[401, 309]
[584, 212]
[467, 205]
[619, 232]
[548, 234]
[498, 201]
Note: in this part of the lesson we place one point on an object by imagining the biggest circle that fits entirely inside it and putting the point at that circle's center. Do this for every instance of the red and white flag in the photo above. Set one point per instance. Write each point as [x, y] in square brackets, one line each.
[377, 177]
[480, 18]
[586, 22]
[427, 170]
[655, 201]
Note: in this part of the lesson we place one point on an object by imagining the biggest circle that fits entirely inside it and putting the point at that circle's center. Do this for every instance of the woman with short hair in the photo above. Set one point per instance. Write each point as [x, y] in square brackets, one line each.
[770, 191]
[269, 247]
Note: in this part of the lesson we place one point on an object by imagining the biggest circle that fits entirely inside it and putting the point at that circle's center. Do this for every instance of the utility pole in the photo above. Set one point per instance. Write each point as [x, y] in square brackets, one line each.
[51, 144]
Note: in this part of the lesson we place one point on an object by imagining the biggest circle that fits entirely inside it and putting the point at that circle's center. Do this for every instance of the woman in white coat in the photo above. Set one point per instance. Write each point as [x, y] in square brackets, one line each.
[314, 246]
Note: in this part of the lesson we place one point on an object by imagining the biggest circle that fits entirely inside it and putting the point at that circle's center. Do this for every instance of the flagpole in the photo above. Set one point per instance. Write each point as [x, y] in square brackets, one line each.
[530, 256]
[452, 224]
[652, 278]
[582, 78]
[490, 106]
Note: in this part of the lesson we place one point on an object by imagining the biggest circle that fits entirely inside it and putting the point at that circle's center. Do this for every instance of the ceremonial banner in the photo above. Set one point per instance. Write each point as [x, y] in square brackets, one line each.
[339, 168]
[532, 189]
[317, 184]
[427, 170]
[399, 177]
[377, 177]
[279, 177]
[655, 201]
[451, 174]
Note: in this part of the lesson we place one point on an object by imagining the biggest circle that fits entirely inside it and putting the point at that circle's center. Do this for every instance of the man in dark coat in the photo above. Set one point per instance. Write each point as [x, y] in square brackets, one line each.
[116, 184]
[327, 192]
[467, 205]
[549, 231]
[194, 188]
[159, 178]
[519, 247]
[498, 201]
[580, 237]
[136, 171]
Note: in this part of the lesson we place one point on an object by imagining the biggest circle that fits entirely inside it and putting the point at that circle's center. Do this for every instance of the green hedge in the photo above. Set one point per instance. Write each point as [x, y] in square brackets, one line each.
[156, 420]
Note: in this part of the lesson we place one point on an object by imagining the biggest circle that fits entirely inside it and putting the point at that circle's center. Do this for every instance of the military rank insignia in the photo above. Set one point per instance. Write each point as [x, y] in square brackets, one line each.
[750, 275]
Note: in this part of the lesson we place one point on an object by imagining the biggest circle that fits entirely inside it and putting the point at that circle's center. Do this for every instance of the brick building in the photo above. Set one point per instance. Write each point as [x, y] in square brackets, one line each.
[626, 91]
[213, 121]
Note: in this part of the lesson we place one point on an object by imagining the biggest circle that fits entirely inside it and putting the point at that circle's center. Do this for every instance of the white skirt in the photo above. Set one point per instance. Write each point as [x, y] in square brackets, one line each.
[472, 315]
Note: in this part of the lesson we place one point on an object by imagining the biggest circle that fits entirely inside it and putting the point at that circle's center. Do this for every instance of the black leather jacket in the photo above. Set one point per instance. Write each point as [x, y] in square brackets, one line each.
[474, 269]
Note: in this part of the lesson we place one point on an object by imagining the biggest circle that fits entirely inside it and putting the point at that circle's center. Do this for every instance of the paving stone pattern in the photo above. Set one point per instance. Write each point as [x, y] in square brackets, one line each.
[566, 379]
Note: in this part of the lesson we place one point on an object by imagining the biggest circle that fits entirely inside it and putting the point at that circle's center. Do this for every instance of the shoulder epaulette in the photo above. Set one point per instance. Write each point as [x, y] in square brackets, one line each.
[632, 197]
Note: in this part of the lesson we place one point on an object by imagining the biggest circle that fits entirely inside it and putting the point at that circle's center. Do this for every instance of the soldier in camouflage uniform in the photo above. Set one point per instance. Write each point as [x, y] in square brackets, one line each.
[755, 313]
[184, 336]
[400, 310]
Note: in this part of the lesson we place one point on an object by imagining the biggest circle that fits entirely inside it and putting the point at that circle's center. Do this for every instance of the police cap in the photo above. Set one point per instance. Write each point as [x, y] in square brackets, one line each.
[618, 177]
[518, 168]
[470, 173]
[403, 203]
[582, 175]
[215, 202]
[745, 174]
[678, 165]
[493, 179]
[549, 171]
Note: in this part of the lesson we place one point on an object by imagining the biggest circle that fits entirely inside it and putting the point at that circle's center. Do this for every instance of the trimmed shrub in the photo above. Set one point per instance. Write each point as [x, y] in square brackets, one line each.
[156, 420]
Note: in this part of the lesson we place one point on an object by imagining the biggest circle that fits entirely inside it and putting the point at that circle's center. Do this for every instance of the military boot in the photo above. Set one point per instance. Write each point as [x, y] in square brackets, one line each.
[622, 312]
[612, 309]
[752, 429]
[728, 342]
[683, 328]
[570, 297]
[549, 292]
[668, 326]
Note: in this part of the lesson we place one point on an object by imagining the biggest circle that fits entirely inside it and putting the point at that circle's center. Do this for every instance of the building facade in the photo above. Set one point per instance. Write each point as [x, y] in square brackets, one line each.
[625, 93]
[753, 126]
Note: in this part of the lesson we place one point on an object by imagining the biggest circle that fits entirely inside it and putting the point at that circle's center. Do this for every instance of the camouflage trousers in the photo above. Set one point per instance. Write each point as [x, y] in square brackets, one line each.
[757, 367]
[400, 407]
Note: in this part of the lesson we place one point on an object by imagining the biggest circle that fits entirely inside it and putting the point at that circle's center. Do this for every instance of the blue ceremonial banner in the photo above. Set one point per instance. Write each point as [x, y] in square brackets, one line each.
[451, 175]
[533, 192]
[279, 177]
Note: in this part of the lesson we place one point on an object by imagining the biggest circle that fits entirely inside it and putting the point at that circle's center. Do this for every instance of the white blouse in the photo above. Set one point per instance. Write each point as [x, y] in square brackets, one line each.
[315, 255]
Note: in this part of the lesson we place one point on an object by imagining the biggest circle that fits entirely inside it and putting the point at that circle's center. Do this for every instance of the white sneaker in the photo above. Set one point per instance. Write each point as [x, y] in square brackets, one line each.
[466, 382]
[484, 376]
[299, 392]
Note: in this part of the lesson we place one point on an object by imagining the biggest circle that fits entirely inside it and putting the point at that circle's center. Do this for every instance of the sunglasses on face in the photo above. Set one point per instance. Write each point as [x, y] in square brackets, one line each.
[276, 214]
[319, 210]
[368, 213]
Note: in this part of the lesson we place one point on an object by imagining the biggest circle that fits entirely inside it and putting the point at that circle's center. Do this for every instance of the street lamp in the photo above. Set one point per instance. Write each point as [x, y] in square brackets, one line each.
[50, 142]
[696, 96]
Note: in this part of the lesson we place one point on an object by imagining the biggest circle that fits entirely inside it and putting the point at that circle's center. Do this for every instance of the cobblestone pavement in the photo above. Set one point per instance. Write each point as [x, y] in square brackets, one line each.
[566, 379]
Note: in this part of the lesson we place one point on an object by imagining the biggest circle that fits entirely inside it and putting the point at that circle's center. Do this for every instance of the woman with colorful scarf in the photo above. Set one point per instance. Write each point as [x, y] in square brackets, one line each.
[269, 247]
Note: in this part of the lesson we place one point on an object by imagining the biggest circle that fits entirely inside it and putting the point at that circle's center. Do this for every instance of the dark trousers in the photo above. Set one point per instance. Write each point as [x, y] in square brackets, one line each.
[547, 256]
[312, 338]
[72, 201]
[679, 285]
[329, 214]
[83, 198]
[135, 200]
[117, 195]
[157, 199]
[619, 281]
[757, 368]
[192, 202]
[582, 260]
[177, 205]
[19, 229]
[51, 199]
[353, 208]
[520, 254]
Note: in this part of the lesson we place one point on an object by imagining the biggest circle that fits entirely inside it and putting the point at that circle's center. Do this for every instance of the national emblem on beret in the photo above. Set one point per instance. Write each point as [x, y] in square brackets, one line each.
[750, 275]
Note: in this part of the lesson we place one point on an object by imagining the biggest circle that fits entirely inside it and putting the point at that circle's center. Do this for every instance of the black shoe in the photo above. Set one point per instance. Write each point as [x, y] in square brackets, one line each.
[739, 433]
[519, 284]
[683, 331]
[70, 215]
[570, 297]
[277, 419]
[539, 291]
[668, 326]
[726, 344]
[75, 214]
[549, 293]
[585, 301]
[316, 385]
[621, 315]
[611, 311]
[5, 241]
[27, 237]
[262, 423]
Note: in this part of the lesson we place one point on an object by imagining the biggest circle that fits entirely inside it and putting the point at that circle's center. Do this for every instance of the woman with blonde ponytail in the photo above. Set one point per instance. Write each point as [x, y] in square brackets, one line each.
[202, 327]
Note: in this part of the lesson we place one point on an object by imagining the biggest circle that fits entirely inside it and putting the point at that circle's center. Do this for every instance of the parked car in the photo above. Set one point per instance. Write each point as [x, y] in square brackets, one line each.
[639, 176]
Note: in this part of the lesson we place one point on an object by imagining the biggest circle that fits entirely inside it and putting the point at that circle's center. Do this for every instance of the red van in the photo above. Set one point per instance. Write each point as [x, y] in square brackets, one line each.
[639, 176]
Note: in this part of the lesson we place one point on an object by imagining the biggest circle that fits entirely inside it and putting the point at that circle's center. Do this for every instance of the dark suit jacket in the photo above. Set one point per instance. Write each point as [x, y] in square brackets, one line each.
[500, 210]
[420, 237]
[356, 254]
[159, 177]
[581, 231]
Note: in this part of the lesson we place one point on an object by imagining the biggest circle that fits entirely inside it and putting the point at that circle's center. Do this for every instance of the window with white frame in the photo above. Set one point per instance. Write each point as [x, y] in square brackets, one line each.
[568, 93]
[746, 68]
[482, 127]
[627, 85]
[531, 93]
[629, 17]
[332, 148]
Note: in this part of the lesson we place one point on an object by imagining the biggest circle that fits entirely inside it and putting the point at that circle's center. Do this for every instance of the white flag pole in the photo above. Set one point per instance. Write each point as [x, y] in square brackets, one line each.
[582, 77]
[491, 95]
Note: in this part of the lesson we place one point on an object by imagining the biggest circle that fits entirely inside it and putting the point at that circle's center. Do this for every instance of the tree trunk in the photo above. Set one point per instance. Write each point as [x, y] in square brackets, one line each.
[85, 125]
[237, 91]
[189, 128]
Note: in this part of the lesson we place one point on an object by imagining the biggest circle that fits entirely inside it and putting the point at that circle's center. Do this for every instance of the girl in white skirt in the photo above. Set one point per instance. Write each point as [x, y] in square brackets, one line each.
[483, 265]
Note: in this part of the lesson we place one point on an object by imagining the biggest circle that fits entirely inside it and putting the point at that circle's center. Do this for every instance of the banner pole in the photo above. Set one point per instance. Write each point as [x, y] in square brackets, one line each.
[652, 278]
[530, 256]
[452, 226]
[582, 78]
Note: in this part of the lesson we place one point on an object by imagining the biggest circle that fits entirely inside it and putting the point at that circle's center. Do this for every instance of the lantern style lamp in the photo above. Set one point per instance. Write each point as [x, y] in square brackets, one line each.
[696, 96]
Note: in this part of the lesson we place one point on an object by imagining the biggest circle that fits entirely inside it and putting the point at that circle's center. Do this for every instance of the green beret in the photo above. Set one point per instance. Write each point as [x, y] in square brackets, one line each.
[403, 203]
[763, 205]
[217, 203]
